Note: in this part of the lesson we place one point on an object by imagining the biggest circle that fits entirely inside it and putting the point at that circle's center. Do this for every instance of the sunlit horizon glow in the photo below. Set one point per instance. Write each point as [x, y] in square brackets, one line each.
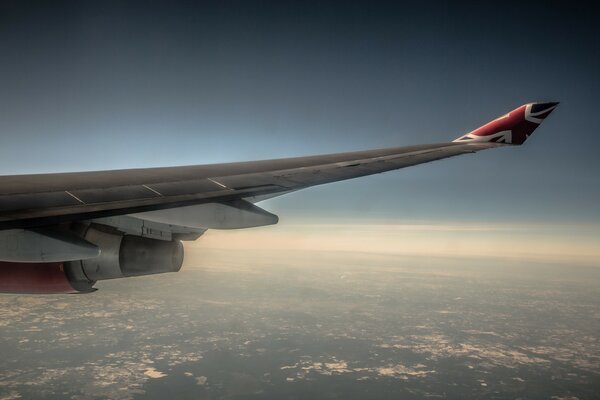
[546, 243]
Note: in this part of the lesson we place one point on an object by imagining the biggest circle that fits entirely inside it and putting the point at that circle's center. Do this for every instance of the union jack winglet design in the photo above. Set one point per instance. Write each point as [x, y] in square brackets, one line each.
[512, 128]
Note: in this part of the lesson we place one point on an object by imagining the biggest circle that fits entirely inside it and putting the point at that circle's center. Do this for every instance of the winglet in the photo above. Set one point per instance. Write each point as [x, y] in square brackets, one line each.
[512, 128]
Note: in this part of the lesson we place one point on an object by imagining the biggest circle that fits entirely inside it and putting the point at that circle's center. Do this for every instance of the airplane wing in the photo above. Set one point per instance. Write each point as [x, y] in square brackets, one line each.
[191, 199]
[36, 200]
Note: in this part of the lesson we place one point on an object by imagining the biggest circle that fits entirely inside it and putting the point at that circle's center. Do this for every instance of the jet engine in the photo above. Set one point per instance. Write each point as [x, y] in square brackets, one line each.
[121, 255]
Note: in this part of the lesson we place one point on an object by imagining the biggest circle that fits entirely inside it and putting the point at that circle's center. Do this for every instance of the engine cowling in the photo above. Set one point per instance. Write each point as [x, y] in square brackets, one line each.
[120, 256]
[39, 278]
[125, 255]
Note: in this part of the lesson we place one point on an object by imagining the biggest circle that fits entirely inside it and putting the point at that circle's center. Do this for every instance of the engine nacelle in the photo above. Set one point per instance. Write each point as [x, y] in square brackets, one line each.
[125, 255]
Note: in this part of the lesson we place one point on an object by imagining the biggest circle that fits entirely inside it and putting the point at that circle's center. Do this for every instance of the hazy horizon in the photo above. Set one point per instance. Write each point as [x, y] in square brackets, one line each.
[544, 243]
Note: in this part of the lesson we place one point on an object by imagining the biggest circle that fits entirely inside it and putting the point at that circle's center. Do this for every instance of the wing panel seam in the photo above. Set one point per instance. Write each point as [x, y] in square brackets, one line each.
[219, 183]
[152, 190]
[75, 197]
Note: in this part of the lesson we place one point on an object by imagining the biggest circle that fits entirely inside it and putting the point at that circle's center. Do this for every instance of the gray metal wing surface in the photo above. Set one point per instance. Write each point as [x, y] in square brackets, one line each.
[37, 200]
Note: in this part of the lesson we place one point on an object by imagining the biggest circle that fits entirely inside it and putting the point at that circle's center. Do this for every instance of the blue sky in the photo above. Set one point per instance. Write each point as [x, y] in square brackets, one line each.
[101, 85]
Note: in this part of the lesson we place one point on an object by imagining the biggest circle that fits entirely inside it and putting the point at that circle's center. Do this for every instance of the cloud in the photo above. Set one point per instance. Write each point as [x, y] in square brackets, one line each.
[154, 373]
